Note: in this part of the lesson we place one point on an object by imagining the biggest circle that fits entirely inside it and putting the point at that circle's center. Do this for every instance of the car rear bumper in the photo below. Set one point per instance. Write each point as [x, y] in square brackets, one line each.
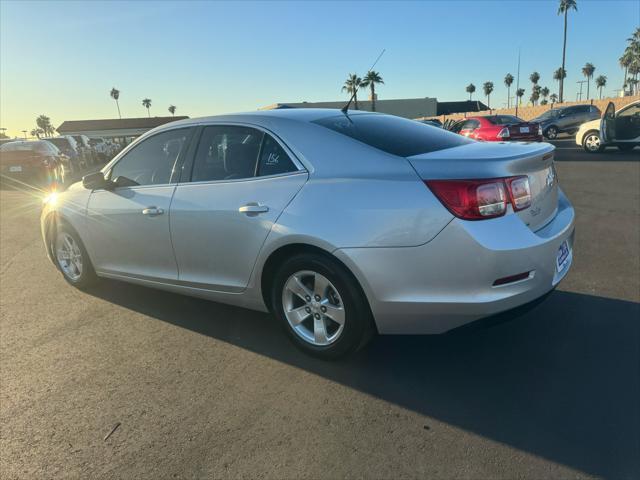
[449, 281]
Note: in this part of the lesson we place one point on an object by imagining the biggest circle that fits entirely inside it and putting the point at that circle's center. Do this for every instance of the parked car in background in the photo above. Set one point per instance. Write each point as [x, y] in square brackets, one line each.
[566, 119]
[87, 152]
[340, 224]
[621, 129]
[498, 128]
[68, 146]
[101, 148]
[33, 162]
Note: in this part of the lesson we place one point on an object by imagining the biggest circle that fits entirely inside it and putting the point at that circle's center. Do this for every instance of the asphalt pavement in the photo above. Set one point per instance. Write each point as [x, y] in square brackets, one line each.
[192, 389]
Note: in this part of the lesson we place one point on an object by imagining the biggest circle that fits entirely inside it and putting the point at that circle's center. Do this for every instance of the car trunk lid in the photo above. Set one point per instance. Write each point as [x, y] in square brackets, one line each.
[480, 160]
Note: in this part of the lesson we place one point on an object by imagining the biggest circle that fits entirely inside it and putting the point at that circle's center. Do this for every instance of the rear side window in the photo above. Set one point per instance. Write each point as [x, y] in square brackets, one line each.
[504, 119]
[394, 135]
[226, 153]
[273, 159]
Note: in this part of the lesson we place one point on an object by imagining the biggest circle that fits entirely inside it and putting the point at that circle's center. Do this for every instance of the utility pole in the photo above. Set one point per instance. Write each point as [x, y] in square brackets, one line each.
[581, 82]
[518, 81]
[25, 134]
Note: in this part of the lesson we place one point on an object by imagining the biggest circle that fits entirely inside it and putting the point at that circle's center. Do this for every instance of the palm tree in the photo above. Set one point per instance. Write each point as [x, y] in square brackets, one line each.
[559, 75]
[147, 104]
[44, 123]
[508, 80]
[36, 132]
[587, 71]
[553, 97]
[519, 94]
[470, 89]
[172, 109]
[544, 93]
[488, 88]
[351, 85]
[371, 79]
[534, 77]
[601, 81]
[535, 95]
[115, 94]
[563, 9]
[625, 61]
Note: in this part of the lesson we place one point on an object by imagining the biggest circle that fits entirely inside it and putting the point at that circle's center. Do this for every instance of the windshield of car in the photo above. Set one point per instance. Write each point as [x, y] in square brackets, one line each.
[549, 114]
[394, 135]
[504, 119]
[60, 142]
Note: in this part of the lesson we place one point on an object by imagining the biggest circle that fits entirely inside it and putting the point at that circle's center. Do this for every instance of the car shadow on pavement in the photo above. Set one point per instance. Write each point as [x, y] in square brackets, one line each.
[561, 381]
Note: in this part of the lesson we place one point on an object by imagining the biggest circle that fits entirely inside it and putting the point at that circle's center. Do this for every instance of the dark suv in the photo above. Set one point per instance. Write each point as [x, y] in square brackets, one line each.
[566, 119]
[35, 162]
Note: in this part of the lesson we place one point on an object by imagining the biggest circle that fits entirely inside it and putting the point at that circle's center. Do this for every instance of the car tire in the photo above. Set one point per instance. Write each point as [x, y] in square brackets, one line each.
[551, 132]
[71, 257]
[321, 306]
[625, 147]
[591, 142]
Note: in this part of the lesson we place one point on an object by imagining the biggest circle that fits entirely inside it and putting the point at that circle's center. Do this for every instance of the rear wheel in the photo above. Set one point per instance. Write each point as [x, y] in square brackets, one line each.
[72, 259]
[319, 304]
[551, 133]
[591, 142]
[625, 147]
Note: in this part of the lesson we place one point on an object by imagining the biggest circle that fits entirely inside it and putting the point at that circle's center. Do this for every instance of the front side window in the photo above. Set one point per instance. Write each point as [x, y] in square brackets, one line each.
[152, 161]
[632, 111]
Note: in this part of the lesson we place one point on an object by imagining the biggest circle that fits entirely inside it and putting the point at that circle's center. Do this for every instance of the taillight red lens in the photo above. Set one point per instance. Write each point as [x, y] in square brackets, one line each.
[520, 192]
[471, 199]
[482, 199]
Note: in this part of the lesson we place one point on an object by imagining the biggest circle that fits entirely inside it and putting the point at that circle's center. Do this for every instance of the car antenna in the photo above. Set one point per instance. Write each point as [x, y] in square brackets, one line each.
[355, 90]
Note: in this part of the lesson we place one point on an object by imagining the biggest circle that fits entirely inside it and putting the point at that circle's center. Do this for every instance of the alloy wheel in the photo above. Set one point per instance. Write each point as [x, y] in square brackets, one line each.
[69, 256]
[313, 307]
[552, 133]
[592, 142]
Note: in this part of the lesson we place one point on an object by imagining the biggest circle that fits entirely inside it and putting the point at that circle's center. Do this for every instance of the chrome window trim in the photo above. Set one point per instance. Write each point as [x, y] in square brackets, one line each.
[247, 179]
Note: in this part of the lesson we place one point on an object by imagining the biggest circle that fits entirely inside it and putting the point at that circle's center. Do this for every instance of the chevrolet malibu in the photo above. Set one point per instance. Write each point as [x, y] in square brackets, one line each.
[341, 224]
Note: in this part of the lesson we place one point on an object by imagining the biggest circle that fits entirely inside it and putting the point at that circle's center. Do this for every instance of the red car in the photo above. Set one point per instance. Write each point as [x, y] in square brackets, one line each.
[498, 128]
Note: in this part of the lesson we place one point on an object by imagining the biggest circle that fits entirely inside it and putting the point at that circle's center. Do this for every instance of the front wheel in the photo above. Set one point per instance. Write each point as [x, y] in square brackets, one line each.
[72, 259]
[592, 143]
[319, 304]
[551, 133]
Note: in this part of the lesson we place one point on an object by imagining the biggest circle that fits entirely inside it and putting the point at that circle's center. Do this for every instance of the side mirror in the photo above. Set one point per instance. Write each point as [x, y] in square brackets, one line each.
[95, 181]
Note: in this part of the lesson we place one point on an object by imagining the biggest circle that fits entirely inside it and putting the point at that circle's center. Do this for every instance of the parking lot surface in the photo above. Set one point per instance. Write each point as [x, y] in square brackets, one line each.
[197, 389]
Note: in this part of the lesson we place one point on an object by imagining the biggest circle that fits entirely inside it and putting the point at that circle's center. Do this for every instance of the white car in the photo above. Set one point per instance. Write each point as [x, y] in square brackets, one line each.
[621, 128]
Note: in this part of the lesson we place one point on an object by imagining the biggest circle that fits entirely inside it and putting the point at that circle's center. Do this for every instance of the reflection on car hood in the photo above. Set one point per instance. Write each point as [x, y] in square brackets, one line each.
[592, 124]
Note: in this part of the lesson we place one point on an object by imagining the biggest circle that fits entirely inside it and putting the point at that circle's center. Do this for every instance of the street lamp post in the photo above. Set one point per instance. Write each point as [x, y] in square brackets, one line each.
[25, 134]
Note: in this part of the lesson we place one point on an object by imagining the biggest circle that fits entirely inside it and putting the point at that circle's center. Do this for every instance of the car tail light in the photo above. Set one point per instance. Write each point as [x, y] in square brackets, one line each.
[504, 133]
[482, 199]
[520, 192]
[539, 130]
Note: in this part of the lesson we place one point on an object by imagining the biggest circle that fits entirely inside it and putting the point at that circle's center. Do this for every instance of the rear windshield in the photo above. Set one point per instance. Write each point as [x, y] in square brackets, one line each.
[59, 142]
[394, 135]
[43, 147]
[504, 119]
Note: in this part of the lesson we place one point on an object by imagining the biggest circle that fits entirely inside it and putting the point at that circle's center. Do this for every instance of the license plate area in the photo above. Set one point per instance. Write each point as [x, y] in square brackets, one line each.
[524, 129]
[15, 169]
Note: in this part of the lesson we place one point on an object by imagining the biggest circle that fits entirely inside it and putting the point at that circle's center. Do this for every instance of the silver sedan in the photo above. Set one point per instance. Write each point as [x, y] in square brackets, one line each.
[340, 224]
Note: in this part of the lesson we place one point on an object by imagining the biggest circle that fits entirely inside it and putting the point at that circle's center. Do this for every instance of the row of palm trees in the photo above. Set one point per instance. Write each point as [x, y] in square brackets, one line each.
[44, 128]
[146, 103]
[630, 62]
[354, 82]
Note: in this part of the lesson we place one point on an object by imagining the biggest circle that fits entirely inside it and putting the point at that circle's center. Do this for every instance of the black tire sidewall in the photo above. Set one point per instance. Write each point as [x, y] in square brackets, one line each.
[358, 321]
[88, 276]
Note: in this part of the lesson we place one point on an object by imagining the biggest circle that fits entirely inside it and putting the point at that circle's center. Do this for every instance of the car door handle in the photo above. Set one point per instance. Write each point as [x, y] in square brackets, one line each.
[253, 209]
[152, 211]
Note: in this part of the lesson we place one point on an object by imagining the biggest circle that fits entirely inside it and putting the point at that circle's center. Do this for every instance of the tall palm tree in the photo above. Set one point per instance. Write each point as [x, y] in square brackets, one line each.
[487, 87]
[115, 94]
[508, 80]
[554, 98]
[147, 104]
[470, 89]
[535, 95]
[587, 71]
[371, 79]
[544, 93]
[534, 77]
[625, 61]
[172, 109]
[44, 123]
[519, 94]
[601, 81]
[351, 85]
[563, 9]
[559, 75]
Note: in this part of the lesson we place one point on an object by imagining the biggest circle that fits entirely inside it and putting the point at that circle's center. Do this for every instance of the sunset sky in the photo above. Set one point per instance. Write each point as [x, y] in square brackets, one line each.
[61, 59]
